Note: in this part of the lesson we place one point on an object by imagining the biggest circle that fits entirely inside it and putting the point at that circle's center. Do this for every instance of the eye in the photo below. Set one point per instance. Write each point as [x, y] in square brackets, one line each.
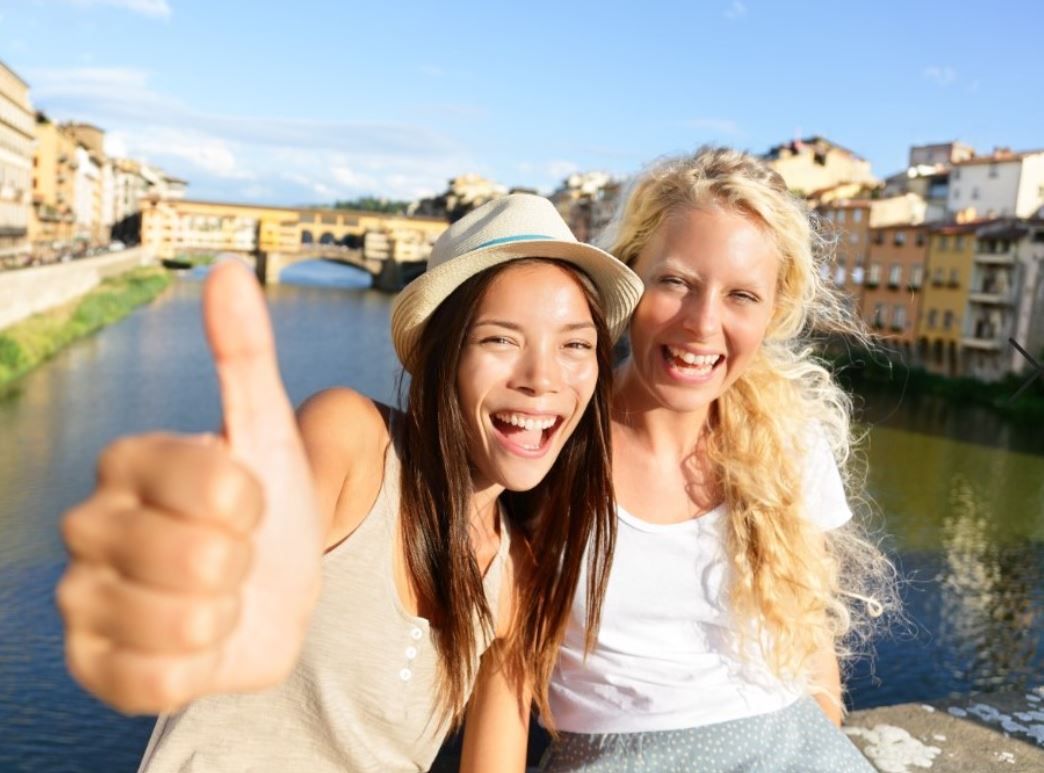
[580, 345]
[496, 340]
[745, 296]
[672, 281]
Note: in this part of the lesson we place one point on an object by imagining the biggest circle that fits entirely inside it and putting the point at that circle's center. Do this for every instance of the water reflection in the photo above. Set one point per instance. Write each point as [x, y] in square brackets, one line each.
[966, 524]
[988, 610]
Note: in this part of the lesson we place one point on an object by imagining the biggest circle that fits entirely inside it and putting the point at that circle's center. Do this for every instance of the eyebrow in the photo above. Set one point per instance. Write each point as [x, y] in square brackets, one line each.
[677, 267]
[569, 326]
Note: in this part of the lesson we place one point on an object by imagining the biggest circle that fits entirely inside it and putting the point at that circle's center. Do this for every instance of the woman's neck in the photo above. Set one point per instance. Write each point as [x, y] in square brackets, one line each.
[484, 512]
[648, 422]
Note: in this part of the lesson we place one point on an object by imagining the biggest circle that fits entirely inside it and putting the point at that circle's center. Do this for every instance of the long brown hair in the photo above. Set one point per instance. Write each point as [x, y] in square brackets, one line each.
[571, 506]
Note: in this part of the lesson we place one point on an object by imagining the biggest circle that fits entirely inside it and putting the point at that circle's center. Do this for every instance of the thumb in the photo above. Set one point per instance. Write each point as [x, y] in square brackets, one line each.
[254, 402]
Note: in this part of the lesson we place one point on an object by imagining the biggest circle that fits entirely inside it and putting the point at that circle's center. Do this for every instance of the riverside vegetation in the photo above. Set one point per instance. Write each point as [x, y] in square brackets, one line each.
[30, 342]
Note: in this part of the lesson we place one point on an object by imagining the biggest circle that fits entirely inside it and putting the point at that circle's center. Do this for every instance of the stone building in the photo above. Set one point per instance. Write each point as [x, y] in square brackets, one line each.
[17, 122]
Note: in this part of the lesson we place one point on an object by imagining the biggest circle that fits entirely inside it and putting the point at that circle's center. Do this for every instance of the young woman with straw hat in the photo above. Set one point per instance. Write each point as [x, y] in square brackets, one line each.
[318, 594]
[734, 588]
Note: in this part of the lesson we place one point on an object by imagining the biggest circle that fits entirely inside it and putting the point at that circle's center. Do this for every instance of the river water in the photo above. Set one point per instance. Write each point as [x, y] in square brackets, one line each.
[961, 497]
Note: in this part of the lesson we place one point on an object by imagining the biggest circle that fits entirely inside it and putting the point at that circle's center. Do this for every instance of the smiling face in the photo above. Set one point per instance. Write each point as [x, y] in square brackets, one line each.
[527, 371]
[710, 288]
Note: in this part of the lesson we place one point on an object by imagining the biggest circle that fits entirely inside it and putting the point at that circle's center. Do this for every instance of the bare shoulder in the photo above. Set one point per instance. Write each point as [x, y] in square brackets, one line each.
[345, 435]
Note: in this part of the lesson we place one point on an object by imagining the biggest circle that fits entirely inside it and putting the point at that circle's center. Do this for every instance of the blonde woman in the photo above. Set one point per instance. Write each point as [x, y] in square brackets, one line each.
[734, 588]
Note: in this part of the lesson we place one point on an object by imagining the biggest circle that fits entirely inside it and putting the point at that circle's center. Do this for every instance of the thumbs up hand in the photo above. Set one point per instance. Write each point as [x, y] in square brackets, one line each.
[195, 564]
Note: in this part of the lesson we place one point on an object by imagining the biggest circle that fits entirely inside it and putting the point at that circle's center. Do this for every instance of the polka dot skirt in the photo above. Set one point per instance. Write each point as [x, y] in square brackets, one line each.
[797, 738]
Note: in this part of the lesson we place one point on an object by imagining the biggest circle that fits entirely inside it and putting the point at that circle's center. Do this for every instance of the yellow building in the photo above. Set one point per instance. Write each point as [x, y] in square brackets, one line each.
[52, 221]
[817, 164]
[951, 251]
[16, 161]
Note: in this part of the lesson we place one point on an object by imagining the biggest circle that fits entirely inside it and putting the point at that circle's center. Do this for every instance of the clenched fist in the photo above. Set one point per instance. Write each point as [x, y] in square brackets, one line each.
[195, 564]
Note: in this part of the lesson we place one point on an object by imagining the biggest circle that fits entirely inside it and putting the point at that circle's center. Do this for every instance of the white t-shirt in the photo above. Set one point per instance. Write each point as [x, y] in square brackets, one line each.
[664, 658]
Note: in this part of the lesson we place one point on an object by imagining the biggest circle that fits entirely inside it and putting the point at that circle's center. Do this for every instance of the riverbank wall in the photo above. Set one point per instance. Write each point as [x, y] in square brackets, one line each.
[32, 341]
[28, 291]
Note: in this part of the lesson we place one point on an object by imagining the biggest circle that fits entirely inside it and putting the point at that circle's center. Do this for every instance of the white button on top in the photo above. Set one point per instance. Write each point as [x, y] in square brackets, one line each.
[416, 633]
[411, 653]
[405, 674]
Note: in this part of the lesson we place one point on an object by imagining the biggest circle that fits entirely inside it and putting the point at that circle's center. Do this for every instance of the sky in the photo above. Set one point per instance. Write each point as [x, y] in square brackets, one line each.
[308, 102]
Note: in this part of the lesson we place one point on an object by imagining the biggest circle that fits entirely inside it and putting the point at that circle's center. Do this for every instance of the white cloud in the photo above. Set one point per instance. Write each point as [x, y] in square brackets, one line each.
[736, 10]
[212, 155]
[157, 9]
[714, 125]
[943, 76]
[329, 158]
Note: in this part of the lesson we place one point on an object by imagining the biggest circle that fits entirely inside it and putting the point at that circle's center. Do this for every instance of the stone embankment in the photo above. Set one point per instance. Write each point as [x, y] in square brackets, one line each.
[28, 291]
[972, 734]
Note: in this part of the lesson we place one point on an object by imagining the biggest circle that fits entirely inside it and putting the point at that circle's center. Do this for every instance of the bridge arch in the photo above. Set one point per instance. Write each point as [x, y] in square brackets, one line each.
[306, 237]
[327, 238]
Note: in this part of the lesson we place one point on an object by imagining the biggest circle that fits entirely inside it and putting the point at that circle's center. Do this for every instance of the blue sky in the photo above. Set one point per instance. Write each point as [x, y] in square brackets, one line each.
[306, 102]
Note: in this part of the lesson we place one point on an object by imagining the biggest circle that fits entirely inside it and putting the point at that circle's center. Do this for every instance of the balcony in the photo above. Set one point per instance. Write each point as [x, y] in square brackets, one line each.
[992, 296]
[981, 344]
[1006, 258]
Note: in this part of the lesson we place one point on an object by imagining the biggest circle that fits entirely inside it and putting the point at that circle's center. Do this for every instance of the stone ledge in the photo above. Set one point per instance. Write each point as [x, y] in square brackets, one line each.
[1001, 731]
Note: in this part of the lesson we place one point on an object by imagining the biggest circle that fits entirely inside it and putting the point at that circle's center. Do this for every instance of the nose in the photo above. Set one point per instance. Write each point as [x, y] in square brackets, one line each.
[702, 315]
[538, 371]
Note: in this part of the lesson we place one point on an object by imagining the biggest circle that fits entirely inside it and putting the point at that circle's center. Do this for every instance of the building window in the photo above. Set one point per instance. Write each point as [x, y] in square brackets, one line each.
[874, 277]
[975, 192]
[916, 276]
[895, 275]
[839, 276]
[956, 193]
[853, 238]
[900, 238]
[937, 277]
[955, 277]
[899, 317]
[947, 320]
[840, 216]
[944, 243]
[932, 318]
[958, 243]
[919, 239]
[956, 174]
[857, 214]
[878, 237]
[878, 320]
[993, 170]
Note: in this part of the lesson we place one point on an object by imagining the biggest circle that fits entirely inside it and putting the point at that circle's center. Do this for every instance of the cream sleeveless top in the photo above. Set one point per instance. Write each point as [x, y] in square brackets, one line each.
[362, 697]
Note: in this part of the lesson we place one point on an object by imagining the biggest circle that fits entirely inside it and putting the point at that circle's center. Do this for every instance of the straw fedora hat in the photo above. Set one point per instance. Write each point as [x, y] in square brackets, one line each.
[517, 226]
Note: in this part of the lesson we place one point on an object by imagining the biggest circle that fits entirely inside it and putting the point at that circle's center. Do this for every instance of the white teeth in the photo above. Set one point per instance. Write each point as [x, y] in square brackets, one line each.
[526, 422]
[702, 360]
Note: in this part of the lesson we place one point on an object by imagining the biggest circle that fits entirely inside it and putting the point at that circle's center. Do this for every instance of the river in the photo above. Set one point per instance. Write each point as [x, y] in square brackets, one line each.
[961, 497]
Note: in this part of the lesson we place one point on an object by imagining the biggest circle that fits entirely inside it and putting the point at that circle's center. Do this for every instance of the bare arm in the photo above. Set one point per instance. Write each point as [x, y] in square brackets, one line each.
[497, 726]
[827, 677]
[345, 436]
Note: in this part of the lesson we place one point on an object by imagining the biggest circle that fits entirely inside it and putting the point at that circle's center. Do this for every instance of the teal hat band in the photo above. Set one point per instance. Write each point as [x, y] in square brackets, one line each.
[509, 239]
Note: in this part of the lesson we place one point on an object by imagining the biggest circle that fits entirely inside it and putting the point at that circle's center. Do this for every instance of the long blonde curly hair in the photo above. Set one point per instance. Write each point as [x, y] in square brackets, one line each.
[802, 590]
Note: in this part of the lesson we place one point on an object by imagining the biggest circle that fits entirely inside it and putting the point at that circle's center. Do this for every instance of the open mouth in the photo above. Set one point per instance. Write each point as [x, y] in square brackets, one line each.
[691, 365]
[526, 433]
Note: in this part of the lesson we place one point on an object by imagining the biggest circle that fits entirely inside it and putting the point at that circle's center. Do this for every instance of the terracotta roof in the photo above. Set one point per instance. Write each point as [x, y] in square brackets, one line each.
[1000, 158]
